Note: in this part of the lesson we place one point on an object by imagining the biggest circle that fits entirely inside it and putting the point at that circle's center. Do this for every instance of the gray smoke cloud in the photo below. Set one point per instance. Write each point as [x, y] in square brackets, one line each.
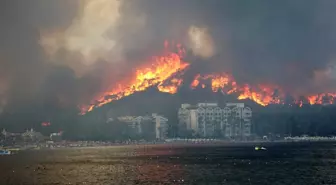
[289, 43]
[24, 68]
[70, 50]
[22, 62]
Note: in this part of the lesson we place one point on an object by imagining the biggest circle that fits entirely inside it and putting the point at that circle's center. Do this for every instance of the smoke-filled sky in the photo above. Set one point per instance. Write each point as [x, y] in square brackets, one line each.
[65, 51]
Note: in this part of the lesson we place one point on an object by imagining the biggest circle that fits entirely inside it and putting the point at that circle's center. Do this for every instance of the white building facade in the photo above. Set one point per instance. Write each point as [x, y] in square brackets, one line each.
[161, 126]
[155, 124]
[210, 120]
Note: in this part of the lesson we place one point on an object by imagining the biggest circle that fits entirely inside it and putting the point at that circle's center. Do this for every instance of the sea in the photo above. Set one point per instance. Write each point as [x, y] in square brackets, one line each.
[173, 164]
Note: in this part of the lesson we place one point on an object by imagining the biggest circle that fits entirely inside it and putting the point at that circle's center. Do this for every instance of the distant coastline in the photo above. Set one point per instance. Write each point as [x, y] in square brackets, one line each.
[175, 142]
[188, 143]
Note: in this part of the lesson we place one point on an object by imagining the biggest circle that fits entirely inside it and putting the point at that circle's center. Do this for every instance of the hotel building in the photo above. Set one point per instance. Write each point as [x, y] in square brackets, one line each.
[210, 120]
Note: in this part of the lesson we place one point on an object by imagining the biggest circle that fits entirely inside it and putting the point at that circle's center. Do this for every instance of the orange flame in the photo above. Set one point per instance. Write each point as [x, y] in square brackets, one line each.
[195, 82]
[162, 72]
[218, 82]
[172, 88]
[262, 95]
[327, 98]
[160, 69]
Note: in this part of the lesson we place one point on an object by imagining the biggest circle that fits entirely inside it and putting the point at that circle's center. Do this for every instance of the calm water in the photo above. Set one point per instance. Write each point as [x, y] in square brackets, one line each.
[288, 164]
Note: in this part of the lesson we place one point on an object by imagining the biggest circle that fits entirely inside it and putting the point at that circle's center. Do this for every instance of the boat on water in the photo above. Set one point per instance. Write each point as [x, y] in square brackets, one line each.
[14, 149]
[259, 148]
[9, 151]
[5, 152]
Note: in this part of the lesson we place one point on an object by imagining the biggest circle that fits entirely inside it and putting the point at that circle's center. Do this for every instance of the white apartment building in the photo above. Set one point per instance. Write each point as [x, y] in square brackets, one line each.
[209, 120]
[142, 125]
[161, 126]
[133, 122]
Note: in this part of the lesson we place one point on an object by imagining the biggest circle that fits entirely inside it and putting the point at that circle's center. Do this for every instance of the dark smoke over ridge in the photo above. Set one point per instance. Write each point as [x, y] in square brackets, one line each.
[60, 53]
[285, 42]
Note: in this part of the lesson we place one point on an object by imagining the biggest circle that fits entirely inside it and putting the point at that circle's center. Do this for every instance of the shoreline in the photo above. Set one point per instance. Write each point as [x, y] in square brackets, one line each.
[190, 144]
[178, 143]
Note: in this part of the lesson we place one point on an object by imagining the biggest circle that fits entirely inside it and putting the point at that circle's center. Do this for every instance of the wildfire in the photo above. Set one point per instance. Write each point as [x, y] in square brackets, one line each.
[160, 69]
[263, 94]
[172, 87]
[165, 73]
[218, 81]
[328, 98]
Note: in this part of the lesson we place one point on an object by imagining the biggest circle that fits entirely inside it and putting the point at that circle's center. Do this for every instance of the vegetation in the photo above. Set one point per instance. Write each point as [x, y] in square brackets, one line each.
[274, 119]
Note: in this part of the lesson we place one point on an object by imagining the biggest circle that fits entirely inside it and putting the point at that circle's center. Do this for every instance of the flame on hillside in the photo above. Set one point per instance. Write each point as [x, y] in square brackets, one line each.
[326, 98]
[156, 73]
[165, 73]
[262, 94]
[218, 82]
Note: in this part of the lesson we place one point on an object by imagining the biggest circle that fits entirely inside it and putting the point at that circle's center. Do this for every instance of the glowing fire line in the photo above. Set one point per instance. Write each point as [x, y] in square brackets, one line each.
[161, 69]
[162, 73]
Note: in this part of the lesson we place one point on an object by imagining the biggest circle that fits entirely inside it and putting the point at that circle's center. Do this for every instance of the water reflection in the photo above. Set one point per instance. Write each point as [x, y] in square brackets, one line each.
[173, 165]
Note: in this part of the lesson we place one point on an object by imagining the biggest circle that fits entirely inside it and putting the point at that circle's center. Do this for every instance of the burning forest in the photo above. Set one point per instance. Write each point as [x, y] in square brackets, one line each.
[59, 58]
[165, 72]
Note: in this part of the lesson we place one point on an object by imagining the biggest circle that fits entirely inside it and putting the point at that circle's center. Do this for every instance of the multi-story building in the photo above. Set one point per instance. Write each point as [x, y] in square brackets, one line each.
[133, 124]
[31, 135]
[209, 120]
[161, 126]
[146, 126]
[57, 136]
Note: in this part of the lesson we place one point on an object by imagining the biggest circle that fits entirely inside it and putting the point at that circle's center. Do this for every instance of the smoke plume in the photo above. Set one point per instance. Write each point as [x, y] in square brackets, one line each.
[200, 42]
[63, 53]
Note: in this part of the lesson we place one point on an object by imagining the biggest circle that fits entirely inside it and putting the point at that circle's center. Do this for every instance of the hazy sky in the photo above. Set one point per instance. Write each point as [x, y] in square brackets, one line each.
[67, 50]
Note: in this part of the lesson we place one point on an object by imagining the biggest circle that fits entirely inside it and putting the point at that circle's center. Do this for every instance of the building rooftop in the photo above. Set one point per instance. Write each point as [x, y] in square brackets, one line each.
[189, 106]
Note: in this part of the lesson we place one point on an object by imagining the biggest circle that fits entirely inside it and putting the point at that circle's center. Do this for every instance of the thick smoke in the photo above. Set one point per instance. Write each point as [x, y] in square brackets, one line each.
[63, 52]
[289, 43]
[200, 42]
[23, 65]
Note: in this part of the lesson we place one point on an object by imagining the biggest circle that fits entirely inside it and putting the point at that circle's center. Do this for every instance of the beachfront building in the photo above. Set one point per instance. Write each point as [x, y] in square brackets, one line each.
[161, 126]
[154, 126]
[10, 138]
[31, 135]
[133, 123]
[238, 122]
[56, 137]
[210, 120]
